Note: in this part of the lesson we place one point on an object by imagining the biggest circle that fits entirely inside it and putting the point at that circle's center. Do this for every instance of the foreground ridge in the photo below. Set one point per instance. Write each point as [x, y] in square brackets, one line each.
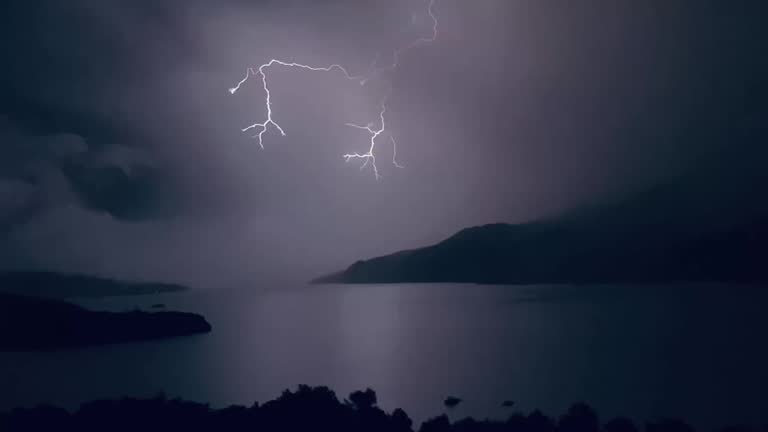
[306, 409]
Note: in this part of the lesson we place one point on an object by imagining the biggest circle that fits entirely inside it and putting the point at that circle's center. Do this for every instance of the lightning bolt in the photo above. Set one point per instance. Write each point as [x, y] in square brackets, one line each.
[420, 41]
[369, 157]
[264, 126]
[394, 152]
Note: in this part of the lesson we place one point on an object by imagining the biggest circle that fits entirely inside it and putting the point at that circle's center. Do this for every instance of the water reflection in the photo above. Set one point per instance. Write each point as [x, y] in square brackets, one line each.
[695, 352]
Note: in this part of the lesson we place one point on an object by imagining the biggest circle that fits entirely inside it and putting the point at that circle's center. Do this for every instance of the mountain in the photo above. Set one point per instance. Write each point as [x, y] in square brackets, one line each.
[32, 316]
[31, 324]
[565, 253]
[64, 285]
[663, 234]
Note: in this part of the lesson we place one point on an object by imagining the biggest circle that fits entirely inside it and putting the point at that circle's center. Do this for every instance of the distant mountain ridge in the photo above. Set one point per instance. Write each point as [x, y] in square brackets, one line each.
[67, 285]
[590, 250]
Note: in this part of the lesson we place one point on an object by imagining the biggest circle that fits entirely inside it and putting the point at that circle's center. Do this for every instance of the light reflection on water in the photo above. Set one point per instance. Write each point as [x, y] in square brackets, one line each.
[697, 352]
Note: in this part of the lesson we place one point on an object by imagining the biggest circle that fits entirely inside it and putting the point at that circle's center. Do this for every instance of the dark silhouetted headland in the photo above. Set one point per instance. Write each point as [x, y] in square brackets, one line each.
[64, 285]
[30, 324]
[656, 236]
[563, 253]
[307, 409]
[554, 253]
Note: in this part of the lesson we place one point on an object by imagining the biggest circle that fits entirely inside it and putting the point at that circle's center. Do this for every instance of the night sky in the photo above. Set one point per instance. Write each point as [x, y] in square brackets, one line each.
[121, 151]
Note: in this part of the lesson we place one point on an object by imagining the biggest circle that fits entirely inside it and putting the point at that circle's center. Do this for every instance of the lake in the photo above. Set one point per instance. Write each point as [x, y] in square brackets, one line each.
[698, 352]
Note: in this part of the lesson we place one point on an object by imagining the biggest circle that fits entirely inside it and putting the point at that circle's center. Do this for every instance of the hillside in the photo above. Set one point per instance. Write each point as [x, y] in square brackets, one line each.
[570, 251]
[30, 324]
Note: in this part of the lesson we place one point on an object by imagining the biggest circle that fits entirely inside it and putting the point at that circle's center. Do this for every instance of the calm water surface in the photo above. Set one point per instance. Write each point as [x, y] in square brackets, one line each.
[697, 352]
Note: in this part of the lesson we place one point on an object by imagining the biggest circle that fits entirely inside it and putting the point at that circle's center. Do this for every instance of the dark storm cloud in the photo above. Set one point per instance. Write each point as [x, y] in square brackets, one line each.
[67, 66]
[40, 172]
[124, 194]
[117, 116]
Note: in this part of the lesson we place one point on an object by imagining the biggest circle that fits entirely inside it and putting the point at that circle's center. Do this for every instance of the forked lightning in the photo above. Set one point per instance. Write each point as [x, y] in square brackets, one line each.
[369, 157]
